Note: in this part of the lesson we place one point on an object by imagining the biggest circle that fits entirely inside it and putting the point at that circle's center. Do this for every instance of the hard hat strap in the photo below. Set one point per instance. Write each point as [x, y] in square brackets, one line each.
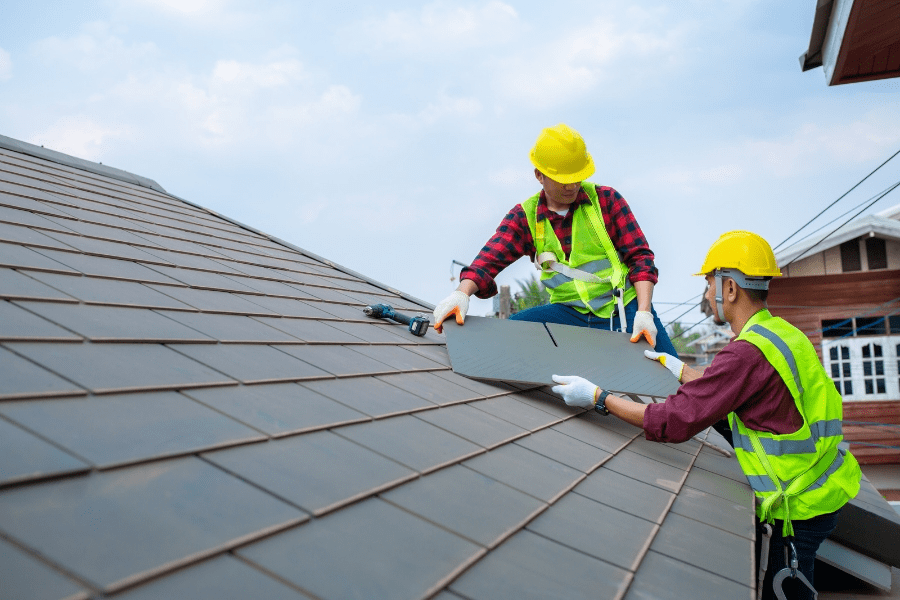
[720, 309]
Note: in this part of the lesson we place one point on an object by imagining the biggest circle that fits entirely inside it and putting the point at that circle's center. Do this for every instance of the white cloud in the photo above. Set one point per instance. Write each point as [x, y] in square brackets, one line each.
[267, 75]
[625, 47]
[6, 65]
[80, 136]
[186, 8]
[512, 177]
[93, 49]
[438, 27]
[448, 107]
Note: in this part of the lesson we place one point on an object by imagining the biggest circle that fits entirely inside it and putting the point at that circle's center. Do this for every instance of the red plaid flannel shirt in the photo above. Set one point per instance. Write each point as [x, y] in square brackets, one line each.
[512, 240]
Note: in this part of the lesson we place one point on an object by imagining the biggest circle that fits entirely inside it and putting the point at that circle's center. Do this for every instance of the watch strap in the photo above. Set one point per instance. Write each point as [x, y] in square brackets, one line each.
[600, 405]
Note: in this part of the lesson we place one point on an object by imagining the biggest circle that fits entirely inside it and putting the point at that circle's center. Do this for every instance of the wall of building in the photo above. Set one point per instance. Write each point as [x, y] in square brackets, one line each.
[828, 262]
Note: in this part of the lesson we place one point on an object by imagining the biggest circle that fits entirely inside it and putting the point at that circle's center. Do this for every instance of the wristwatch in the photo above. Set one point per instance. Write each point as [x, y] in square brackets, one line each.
[600, 405]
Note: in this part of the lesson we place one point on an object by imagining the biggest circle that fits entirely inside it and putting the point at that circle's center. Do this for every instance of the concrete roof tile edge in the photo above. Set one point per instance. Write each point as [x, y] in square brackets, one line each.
[78, 163]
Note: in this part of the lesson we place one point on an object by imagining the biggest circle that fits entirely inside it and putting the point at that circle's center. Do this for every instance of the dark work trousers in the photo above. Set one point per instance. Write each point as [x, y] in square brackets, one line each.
[566, 315]
[808, 536]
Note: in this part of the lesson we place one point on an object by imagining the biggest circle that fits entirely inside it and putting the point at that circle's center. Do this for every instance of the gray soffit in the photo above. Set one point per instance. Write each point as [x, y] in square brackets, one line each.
[527, 352]
[191, 409]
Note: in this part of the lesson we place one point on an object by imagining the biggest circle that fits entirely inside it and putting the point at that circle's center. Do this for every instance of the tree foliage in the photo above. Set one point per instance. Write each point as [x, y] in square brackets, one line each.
[531, 293]
[680, 340]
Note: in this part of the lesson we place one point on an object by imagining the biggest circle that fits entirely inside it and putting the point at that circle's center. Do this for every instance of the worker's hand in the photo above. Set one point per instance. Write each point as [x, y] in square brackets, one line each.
[576, 391]
[457, 304]
[668, 361]
[644, 326]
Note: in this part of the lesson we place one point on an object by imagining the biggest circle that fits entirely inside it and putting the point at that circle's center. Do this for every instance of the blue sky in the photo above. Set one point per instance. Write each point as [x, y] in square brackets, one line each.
[393, 137]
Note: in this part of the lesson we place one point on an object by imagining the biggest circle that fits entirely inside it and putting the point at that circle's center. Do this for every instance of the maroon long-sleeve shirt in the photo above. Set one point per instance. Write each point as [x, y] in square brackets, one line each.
[739, 380]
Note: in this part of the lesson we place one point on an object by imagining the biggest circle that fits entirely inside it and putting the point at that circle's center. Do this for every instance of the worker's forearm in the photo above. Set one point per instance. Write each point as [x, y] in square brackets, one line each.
[467, 286]
[644, 291]
[628, 411]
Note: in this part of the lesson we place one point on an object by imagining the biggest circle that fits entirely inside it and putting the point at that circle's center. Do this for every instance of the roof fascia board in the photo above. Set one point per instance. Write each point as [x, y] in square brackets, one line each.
[834, 38]
[309, 254]
[812, 58]
[78, 163]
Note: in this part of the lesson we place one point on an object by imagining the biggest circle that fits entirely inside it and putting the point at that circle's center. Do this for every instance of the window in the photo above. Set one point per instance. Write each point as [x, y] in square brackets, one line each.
[864, 368]
[835, 328]
[840, 369]
[870, 326]
[875, 253]
[894, 321]
[873, 369]
[850, 256]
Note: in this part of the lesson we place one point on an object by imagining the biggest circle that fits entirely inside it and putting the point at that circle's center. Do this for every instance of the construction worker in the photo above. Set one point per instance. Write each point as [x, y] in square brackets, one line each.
[784, 411]
[591, 251]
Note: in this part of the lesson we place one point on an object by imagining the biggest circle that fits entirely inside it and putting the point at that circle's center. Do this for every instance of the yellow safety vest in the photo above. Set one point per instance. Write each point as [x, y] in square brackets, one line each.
[803, 474]
[593, 273]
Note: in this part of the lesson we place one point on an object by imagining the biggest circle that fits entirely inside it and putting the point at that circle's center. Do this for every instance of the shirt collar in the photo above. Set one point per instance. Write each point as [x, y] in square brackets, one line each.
[543, 212]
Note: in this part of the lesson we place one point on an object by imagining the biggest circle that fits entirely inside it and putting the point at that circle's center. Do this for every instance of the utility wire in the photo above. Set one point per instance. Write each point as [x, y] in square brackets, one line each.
[833, 231]
[838, 200]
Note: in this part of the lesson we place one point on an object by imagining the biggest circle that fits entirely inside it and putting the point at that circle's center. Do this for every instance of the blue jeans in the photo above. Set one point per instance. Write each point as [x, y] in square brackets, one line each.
[808, 536]
[566, 315]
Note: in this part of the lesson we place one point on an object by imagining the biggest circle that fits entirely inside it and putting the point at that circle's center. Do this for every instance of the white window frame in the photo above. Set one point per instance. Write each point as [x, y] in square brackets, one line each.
[855, 344]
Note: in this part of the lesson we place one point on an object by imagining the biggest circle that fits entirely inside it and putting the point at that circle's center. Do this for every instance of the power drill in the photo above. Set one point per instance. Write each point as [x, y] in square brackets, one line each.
[417, 325]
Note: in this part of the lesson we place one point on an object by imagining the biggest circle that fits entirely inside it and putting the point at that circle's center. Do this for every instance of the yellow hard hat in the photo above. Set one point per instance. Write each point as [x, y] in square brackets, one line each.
[561, 155]
[744, 251]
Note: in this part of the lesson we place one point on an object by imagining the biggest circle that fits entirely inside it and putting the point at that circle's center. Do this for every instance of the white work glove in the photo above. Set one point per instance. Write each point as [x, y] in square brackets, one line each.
[456, 303]
[668, 361]
[644, 325]
[576, 391]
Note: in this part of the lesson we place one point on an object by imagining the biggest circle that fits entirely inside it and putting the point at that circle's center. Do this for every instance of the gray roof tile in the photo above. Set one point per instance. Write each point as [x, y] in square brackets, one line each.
[345, 544]
[89, 525]
[17, 323]
[411, 442]
[278, 408]
[647, 470]
[21, 378]
[251, 363]
[468, 422]
[104, 368]
[430, 387]
[98, 247]
[108, 291]
[735, 517]
[108, 323]
[25, 577]
[588, 526]
[24, 456]
[467, 503]
[660, 576]
[287, 307]
[15, 234]
[369, 396]
[711, 548]
[216, 579]
[531, 566]
[316, 472]
[19, 257]
[15, 285]
[527, 471]
[119, 429]
[200, 279]
[311, 331]
[398, 357]
[371, 333]
[230, 328]
[212, 301]
[107, 267]
[564, 449]
[627, 494]
[342, 361]
[516, 412]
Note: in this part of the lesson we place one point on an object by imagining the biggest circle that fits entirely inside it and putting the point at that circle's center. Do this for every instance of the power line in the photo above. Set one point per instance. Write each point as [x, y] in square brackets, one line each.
[879, 197]
[838, 200]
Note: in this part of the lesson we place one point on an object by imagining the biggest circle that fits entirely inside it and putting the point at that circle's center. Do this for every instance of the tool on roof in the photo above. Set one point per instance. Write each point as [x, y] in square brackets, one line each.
[417, 325]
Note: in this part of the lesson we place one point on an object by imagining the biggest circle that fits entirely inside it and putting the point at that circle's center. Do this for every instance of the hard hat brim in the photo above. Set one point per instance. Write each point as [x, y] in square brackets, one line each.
[566, 178]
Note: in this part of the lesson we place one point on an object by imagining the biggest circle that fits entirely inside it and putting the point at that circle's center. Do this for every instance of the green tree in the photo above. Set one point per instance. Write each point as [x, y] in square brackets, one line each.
[680, 340]
[531, 293]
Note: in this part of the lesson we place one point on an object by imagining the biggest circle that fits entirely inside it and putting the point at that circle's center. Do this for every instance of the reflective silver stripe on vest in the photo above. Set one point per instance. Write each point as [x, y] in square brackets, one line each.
[835, 465]
[594, 267]
[785, 351]
[817, 430]
[762, 483]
